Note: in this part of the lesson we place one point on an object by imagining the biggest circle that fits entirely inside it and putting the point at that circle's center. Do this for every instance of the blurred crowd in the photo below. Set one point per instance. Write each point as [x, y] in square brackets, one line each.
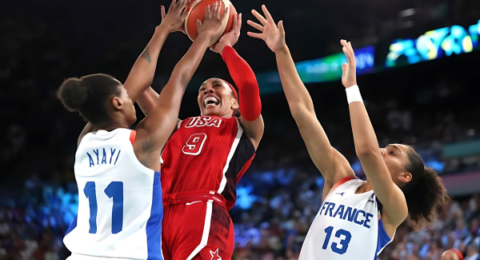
[270, 222]
[427, 106]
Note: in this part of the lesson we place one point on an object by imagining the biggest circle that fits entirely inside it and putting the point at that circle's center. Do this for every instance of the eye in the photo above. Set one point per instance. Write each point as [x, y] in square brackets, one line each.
[392, 153]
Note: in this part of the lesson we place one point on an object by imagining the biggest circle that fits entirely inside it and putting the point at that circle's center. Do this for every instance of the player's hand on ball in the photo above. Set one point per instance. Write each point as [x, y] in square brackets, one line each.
[173, 21]
[273, 36]
[213, 23]
[230, 38]
[349, 76]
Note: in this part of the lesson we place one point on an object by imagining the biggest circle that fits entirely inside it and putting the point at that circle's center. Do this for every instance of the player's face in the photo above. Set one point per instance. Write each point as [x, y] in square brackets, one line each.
[215, 97]
[128, 107]
[449, 255]
[396, 157]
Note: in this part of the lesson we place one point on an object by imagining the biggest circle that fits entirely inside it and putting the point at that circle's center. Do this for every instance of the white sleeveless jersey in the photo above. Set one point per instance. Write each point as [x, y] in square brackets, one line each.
[120, 207]
[348, 226]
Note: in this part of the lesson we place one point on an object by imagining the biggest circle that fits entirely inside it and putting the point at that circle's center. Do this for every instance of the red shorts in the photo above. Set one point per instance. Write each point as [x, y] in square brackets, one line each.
[196, 225]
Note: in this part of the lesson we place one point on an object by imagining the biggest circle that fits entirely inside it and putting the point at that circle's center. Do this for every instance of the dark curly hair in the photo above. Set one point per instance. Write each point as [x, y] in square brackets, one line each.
[89, 96]
[425, 193]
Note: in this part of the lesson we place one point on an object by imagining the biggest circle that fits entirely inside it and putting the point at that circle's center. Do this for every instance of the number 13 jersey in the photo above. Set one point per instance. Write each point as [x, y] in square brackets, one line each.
[206, 153]
[347, 226]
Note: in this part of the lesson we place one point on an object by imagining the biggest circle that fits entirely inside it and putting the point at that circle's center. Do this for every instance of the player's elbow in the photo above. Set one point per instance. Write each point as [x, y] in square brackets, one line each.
[182, 73]
[145, 77]
[301, 113]
[180, 79]
[298, 109]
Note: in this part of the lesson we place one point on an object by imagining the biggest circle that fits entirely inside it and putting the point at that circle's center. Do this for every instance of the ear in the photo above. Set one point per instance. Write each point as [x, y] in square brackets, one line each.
[117, 103]
[405, 177]
[234, 103]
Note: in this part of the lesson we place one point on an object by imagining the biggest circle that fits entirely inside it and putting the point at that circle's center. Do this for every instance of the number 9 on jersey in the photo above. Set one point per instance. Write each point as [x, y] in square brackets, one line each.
[194, 144]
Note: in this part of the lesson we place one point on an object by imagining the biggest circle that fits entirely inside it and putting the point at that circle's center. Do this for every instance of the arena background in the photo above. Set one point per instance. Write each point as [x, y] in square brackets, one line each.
[419, 88]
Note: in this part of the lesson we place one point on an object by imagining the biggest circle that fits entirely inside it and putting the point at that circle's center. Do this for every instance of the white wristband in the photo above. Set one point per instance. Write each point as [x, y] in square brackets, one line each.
[353, 94]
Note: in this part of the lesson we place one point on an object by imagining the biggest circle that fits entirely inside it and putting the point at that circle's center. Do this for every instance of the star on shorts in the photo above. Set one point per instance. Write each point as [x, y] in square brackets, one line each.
[215, 255]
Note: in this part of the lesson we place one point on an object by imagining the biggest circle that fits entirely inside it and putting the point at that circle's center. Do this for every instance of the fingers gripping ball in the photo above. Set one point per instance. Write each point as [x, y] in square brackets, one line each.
[197, 12]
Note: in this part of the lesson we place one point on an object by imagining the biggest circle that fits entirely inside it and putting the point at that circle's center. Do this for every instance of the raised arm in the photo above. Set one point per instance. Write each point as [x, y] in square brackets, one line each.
[329, 161]
[249, 95]
[154, 131]
[143, 71]
[366, 146]
[246, 82]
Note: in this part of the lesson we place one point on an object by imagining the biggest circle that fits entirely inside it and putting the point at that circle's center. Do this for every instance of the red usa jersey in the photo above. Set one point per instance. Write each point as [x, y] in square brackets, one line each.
[206, 153]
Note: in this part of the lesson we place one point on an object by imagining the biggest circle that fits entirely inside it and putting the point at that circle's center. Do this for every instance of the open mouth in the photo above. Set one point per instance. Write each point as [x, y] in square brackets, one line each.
[211, 101]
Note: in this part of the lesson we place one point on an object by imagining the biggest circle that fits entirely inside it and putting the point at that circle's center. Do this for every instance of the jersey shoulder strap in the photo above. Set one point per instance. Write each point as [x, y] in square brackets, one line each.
[133, 134]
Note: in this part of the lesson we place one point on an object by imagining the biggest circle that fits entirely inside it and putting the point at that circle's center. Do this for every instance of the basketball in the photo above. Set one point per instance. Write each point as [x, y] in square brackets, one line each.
[197, 12]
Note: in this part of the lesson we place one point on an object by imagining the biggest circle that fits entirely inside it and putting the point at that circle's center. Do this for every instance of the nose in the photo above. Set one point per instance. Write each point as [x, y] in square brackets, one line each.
[383, 151]
[208, 90]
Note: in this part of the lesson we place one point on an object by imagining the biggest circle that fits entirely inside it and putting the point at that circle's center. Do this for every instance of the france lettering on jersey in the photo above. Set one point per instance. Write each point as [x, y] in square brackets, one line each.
[120, 208]
[347, 226]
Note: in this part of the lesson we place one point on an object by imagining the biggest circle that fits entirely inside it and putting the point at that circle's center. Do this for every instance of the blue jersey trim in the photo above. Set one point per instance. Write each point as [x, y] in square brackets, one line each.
[72, 226]
[383, 238]
[154, 223]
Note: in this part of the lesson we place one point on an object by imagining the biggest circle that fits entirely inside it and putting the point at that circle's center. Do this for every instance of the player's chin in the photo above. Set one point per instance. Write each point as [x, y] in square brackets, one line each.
[211, 110]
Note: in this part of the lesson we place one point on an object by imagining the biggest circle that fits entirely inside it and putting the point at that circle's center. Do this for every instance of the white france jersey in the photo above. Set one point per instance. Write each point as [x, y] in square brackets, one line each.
[348, 226]
[120, 208]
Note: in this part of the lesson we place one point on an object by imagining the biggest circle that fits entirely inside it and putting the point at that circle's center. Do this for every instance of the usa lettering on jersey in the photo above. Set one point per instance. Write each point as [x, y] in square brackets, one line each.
[107, 158]
[357, 216]
[204, 121]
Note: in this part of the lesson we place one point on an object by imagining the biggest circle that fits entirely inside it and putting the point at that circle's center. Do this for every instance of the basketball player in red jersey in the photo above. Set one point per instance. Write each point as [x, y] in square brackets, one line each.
[206, 157]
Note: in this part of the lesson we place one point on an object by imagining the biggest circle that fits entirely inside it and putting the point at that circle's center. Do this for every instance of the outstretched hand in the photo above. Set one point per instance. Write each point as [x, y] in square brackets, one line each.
[349, 76]
[230, 38]
[273, 36]
[214, 22]
[173, 21]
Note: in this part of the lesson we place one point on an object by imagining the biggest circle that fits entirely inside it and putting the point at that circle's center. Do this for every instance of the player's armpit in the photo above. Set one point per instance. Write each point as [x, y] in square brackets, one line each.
[152, 136]
[148, 155]
[253, 129]
[148, 145]
[343, 168]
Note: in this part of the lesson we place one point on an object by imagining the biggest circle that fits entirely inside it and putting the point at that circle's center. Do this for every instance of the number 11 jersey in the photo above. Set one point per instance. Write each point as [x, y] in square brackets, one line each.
[206, 153]
[347, 226]
[120, 207]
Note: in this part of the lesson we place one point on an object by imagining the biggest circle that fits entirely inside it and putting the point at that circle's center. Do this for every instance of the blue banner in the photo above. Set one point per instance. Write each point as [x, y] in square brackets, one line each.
[435, 44]
[321, 70]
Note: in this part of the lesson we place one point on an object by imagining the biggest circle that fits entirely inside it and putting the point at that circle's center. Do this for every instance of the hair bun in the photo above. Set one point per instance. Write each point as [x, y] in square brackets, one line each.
[73, 93]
